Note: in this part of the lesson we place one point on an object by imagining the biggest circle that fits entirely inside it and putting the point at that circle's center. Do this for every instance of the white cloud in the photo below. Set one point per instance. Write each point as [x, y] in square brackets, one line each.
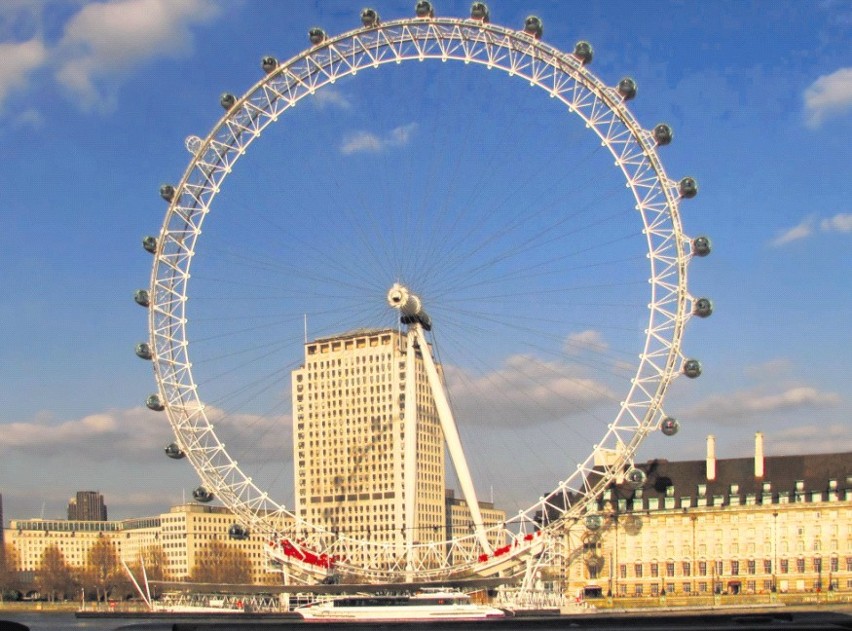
[135, 435]
[29, 118]
[105, 40]
[329, 97]
[524, 391]
[120, 453]
[585, 341]
[828, 96]
[363, 141]
[401, 135]
[841, 222]
[105, 436]
[811, 439]
[804, 229]
[254, 439]
[731, 408]
[19, 61]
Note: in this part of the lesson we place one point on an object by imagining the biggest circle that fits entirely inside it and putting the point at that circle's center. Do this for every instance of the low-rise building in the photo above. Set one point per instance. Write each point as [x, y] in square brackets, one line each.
[182, 534]
[732, 526]
[461, 529]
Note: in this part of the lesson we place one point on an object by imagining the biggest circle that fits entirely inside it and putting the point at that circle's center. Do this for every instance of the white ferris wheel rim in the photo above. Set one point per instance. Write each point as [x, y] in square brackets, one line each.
[563, 76]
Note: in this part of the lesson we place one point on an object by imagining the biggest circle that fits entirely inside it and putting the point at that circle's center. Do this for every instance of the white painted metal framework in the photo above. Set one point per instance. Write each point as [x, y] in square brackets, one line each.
[561, 76]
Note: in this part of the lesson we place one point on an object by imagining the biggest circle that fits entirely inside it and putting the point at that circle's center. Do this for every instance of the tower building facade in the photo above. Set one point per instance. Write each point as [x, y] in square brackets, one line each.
[351, 456]
[87, 506]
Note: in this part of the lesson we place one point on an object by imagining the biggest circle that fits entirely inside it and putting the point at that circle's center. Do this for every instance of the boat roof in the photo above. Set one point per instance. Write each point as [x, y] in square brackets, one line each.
[340, 588]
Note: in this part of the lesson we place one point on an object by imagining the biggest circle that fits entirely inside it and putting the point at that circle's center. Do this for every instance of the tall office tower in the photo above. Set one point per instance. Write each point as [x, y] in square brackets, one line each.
[2, 526]
[87, 506]
[350, 454]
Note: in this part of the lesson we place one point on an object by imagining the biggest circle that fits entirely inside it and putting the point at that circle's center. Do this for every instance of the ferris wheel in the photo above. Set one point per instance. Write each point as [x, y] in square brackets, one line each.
[535, 274]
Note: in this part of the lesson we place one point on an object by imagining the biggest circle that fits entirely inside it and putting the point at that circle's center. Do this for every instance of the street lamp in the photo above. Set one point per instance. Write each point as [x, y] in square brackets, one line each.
[774, 551]
[693, 519]
[613, 579]
[818, 563]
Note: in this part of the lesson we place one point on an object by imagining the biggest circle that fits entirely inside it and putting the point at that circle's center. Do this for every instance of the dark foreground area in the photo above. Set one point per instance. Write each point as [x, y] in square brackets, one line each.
[804, 620]
[800, 620]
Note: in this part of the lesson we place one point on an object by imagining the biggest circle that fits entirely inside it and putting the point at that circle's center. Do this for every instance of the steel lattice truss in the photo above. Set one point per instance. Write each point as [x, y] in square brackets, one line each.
[562, 76]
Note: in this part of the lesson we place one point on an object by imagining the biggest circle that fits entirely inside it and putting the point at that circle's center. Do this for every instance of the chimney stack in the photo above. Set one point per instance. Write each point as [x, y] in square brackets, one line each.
[711, 458]
[758, 455]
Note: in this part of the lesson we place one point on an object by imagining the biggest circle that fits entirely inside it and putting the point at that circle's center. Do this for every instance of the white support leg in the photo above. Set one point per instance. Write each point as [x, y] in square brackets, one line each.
[409, 461]
[413, 314]
[451, 436]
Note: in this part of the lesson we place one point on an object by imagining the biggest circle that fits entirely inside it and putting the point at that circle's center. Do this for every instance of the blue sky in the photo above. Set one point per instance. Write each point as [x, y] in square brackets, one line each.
[96, 99]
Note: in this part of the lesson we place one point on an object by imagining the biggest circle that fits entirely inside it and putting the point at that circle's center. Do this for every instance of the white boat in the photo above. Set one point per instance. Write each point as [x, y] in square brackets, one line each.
[186, 604]
[426, 605]
[194, 609]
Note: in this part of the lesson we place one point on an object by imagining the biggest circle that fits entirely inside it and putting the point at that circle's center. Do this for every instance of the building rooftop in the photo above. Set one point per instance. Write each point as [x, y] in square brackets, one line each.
[362, 332]
[781, 473]
[734, 481]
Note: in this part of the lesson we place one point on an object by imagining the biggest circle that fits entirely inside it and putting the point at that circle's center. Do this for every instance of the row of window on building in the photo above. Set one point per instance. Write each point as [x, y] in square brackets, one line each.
[799, 565]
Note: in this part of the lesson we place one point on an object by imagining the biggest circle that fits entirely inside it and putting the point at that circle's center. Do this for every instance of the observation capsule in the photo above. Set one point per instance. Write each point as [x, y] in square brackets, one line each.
[479, 11]
[316, 35]
[669, 426]
[594, 562]
[701, 246]
[193, 144]
[583, 51]
[692, 368]
[703, 307]
[167, 192]
[627, 88]
[269, 64]
[424, 9]
[369, 17]
[594, 522]
[663, 134]
[635, 478]
[143, 351]
[153, 402]
[633, 524]
[149, 243]
[227, 101]
[688, 187]
[533, 26]
[174, 452]
[238, 532]
[140, 296]
[202, 495]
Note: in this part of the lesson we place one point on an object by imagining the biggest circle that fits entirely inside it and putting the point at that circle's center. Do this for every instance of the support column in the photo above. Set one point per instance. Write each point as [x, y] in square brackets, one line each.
[409, 459]
[451, 436]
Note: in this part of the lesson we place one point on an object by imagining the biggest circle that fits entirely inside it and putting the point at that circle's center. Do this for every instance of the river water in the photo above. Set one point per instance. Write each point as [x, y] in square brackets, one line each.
[67, 621]
[59, 621]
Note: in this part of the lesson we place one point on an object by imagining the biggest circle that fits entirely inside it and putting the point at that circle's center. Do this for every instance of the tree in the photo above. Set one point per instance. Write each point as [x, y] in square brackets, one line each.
[154, 558]
[219, 562]
[154, 561]
[102, 571]
[54, 578]
[9, 581]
